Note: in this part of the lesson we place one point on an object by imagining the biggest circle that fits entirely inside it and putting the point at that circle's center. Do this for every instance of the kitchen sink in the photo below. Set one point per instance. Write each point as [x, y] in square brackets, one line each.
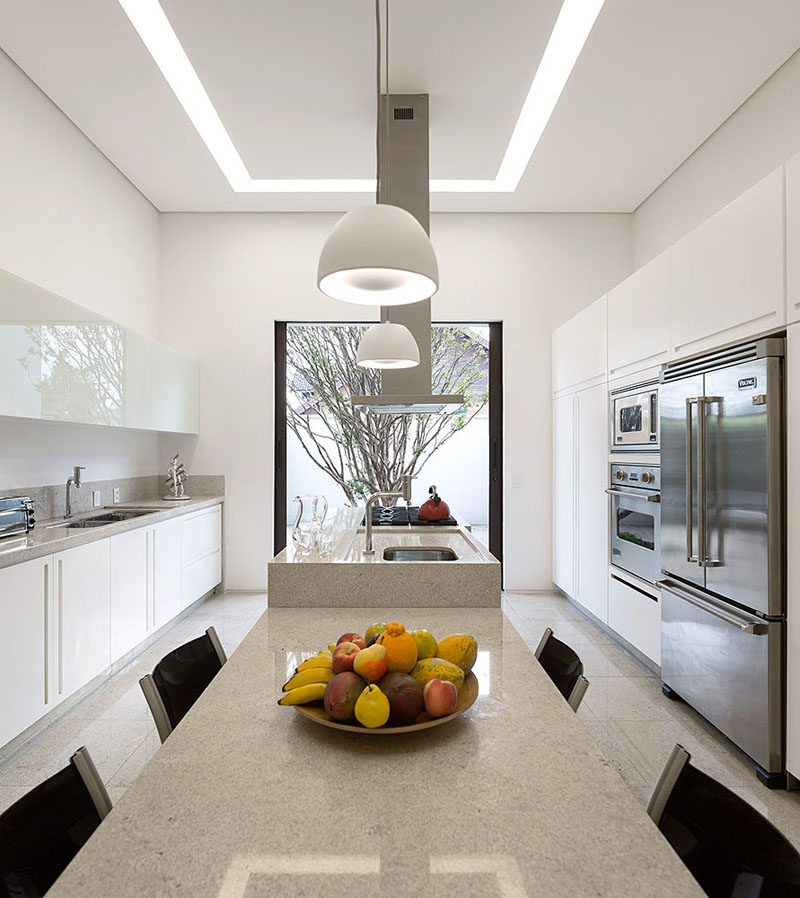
[419, 553]
[101, 520]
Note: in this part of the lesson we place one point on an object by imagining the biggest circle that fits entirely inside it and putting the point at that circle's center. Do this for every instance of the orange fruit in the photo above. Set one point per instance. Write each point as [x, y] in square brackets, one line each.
[401, 649]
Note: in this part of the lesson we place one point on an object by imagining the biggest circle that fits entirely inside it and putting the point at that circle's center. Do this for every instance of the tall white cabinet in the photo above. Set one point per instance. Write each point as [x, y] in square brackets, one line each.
[580, 459]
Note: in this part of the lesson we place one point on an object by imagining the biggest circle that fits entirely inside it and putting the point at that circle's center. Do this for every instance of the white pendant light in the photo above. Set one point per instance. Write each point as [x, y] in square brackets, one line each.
[388, 345]
[378, 256]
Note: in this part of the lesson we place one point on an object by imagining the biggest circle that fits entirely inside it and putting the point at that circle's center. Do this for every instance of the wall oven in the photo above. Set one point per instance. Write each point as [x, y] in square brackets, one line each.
[635, 418]
[636, 520]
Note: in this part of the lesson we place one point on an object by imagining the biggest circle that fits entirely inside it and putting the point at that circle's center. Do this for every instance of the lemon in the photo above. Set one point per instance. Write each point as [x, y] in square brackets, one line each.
[426, 644]
[372, 707]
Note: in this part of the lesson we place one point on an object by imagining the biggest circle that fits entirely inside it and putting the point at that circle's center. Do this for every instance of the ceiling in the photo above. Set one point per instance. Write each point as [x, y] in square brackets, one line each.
[293, 83]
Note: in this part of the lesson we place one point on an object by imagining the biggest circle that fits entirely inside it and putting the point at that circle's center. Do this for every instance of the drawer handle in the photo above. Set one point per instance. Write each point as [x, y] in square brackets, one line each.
[746, 626]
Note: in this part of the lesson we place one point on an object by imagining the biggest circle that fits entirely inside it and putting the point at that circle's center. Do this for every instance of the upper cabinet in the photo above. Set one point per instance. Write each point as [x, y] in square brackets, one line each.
[728, 275]
[580, 348]
[638, 319]
[793, 239]
[60, 362]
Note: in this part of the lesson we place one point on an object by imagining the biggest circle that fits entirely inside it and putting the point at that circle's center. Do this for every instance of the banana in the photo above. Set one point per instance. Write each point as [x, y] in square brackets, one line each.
[308, 676]
[320, 661]
[313, 692]
[332, 647]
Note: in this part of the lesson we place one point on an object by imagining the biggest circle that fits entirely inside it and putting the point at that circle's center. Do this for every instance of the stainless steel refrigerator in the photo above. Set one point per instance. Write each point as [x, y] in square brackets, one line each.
[723, 594]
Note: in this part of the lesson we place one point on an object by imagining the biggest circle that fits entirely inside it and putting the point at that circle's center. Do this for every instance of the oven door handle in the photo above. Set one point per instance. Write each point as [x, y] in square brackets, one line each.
[745, 624]
[635, 494]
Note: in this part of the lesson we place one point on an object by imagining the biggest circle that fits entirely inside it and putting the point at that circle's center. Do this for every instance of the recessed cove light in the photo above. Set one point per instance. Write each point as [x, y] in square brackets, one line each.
[572, 28]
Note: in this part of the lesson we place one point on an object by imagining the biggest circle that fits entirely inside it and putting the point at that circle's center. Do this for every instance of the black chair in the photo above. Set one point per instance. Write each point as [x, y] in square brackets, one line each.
[729, 848]
[564, 668]
[180, 677]
[43, 831]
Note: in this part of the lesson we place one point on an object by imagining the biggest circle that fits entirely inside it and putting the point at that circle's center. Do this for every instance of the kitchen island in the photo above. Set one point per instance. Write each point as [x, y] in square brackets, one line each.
[350, 578]
[247, 799]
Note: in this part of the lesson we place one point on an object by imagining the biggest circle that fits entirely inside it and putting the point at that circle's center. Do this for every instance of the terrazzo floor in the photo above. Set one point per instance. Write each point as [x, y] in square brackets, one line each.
[624, 710]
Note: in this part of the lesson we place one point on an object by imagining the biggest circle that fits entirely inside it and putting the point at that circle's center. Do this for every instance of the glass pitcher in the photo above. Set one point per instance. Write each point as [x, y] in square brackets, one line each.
[308, 521]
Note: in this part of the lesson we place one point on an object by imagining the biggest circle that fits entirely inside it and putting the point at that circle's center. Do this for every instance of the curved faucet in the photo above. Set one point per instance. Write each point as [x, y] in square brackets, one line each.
[404, 494]
[76, 479]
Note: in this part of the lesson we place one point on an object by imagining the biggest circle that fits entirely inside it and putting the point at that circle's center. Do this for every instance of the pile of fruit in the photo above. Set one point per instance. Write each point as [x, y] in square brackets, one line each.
[389, 676]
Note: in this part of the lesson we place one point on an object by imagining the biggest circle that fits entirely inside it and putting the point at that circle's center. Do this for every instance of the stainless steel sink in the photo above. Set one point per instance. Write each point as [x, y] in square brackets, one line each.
[419, 553]
[101, 520]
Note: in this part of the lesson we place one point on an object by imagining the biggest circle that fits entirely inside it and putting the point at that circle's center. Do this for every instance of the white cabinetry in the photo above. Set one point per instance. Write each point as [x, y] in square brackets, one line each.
[592, 502]
[580, 348]
[793, 239]
[636, 616]
[130, 590]
[82, 591]
[728, 274]
[201, 553]
[580, 506]
[638, 319]
[26, 609]
[564, 442]
[165, 547]
[145, 583]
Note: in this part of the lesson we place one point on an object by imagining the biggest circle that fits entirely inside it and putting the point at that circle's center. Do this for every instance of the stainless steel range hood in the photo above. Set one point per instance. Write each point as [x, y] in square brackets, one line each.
[404, 182]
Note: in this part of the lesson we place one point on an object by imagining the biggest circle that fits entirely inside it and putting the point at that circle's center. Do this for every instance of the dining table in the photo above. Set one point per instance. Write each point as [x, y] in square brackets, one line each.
[247, 798]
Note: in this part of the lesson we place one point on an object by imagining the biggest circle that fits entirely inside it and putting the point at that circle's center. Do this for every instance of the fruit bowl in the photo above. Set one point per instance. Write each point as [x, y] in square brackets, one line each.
[466, 698]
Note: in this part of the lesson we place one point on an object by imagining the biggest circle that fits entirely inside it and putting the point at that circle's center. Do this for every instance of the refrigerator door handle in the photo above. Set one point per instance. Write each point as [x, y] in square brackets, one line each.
[690, 556]
[703, 404]
[745, 624]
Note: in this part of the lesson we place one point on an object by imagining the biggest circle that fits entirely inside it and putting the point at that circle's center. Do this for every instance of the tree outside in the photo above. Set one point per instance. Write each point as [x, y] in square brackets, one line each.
[364, 453]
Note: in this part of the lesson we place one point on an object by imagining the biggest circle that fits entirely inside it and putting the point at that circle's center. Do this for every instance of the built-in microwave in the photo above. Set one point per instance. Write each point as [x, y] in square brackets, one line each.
[634, 418]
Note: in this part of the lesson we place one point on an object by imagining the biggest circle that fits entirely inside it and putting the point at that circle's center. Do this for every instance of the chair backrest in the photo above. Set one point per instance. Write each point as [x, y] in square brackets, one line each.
[43, 831]
[180, 677]
[729, 848]
[564, 667]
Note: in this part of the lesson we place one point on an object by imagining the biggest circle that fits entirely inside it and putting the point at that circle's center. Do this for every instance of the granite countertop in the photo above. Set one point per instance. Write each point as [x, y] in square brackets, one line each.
[247, 798]
[466, 547]
[47, 537]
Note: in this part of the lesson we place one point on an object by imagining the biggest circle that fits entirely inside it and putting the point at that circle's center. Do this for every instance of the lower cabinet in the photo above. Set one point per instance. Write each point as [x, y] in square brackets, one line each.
[83, 602]
[67, 617]
[130, 590]
[26, 608]
[636, 616]
[201, 553]
[166, 563]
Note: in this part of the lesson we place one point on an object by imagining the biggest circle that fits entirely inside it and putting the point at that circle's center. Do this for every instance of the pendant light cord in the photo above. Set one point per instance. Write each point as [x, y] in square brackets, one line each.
[379, 144]
[378, 100]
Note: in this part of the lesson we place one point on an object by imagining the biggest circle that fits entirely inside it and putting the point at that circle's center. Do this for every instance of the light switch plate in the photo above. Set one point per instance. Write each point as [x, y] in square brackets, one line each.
[116, 494]
[96, 498]
[516, 480]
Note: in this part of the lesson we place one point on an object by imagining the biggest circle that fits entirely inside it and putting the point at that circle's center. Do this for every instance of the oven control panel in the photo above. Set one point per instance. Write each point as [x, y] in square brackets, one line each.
[646, 477]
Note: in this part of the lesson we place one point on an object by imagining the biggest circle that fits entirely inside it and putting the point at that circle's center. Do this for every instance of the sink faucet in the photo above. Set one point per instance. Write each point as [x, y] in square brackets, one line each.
[404, 494]
[76, 479]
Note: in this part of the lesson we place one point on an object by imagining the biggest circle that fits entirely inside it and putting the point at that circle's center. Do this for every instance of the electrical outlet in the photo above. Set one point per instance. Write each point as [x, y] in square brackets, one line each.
[516, 480]
[96, 498]
[116, 494]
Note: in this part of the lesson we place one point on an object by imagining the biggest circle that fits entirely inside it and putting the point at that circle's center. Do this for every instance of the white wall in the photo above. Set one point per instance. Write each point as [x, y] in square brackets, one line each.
[70, 222]
[762, 134]
[227, 277]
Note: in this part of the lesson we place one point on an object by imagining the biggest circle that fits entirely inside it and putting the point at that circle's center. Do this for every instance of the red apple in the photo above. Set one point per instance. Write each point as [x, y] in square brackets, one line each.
[352, 637]
[343, 656]
[440, 697]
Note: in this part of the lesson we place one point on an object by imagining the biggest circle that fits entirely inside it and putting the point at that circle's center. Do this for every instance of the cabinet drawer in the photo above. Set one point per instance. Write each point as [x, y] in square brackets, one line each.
[199, 578]
[201, 535]
[636, 617]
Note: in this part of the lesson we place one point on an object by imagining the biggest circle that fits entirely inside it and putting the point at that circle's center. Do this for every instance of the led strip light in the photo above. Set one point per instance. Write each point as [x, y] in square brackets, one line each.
[572, 28]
